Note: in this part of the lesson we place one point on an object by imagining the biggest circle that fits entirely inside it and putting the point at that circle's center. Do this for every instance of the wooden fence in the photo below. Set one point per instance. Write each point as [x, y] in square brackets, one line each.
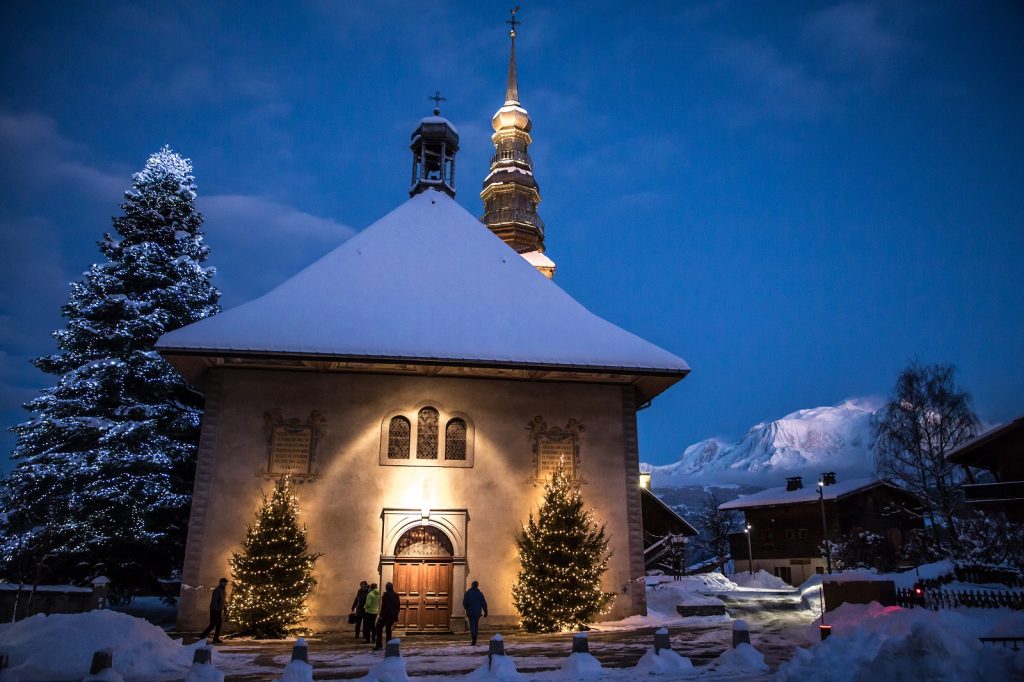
[936, 599]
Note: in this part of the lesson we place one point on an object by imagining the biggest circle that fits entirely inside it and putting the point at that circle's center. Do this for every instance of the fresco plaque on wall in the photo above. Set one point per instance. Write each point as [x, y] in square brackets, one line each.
[292, 443]
[552, 445]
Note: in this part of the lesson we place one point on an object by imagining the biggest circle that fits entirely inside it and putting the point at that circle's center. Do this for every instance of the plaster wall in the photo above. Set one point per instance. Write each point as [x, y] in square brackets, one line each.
[343, 505]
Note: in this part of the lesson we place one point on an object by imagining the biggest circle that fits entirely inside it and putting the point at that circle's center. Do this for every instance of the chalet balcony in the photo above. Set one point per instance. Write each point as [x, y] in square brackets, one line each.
[982, 493]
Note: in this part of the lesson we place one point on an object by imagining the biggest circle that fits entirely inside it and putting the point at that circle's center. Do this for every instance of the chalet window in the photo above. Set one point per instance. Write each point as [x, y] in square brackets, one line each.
[790, 534]
[455, 439]
[802, 533]
[767, 538]
[426, 435]
[399, 432]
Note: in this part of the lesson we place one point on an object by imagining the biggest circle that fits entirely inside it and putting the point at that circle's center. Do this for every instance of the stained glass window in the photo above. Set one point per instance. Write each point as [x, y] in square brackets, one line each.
[398, 438]
[455, 440]
[426, 434]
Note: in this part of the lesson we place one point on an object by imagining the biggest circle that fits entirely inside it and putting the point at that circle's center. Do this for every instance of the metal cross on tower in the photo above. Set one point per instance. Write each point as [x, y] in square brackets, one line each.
[513, 22]
[437, 99]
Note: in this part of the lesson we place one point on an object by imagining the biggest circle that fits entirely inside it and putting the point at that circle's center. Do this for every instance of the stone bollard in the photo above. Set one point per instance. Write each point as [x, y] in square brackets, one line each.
[580, 644]
[300, 652]
[202, 655]
[496, 646]
[392, 648]
[661, 641]
[740, 633]
[101, 660]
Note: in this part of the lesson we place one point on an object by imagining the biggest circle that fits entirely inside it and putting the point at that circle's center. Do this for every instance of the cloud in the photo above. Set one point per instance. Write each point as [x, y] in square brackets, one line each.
[256, 242]
[857, 38]
[771, 87]
[34, 155]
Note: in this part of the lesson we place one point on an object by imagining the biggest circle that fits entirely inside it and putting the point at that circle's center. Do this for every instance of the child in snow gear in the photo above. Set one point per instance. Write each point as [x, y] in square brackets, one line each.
[370, 610]
[390, 607]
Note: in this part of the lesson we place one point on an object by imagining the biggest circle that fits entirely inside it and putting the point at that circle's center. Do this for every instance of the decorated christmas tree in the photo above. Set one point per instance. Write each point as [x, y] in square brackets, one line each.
[103, 471]
[273, 575]
[563, 553]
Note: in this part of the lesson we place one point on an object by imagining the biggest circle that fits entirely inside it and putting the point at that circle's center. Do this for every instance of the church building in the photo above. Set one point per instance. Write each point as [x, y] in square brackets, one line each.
[419, 383]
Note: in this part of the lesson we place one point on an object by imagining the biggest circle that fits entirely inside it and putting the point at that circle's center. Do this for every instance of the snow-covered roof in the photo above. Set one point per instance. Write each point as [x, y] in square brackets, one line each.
[427, 282]
[773, 497]
[439, 120]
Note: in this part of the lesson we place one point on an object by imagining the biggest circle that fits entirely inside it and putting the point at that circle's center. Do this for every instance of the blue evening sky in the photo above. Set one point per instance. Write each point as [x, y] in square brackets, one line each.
[796, 197]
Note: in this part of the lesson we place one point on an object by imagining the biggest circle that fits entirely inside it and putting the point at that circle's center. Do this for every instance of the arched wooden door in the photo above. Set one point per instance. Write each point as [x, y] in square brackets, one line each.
[423, 580]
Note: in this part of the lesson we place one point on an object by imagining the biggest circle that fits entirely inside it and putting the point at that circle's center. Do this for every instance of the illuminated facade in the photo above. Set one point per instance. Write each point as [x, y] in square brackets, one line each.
[418, 383]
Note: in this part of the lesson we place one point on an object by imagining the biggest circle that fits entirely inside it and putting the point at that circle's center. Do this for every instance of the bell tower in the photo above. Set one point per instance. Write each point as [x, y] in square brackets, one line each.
[434, 144]
[510, 191]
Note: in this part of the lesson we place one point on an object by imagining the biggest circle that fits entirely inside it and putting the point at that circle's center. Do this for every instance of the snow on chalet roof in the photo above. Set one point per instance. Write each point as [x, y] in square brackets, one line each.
[780, 496]
[426, 282]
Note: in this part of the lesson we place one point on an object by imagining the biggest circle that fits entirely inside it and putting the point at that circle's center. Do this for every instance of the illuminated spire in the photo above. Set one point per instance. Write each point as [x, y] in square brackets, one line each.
[510, 192]
[512, 90]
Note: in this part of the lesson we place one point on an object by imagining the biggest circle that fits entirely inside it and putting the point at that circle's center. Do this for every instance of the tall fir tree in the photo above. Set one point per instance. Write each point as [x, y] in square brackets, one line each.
[273, 575]
[563, 553]
[104, 469]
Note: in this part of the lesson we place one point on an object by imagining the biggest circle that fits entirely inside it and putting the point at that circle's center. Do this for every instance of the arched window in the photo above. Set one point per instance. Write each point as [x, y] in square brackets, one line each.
[455, 439]
[399, 431]
[426, 434]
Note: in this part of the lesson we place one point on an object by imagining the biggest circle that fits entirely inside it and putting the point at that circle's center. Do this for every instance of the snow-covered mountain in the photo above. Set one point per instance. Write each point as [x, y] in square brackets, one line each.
[840, 438]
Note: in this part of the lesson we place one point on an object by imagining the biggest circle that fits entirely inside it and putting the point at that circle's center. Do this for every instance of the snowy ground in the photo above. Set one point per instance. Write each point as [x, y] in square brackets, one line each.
[867, 642]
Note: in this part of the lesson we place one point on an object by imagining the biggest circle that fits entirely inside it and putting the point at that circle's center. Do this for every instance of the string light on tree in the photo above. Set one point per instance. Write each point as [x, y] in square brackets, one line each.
[273, 575]
[563, 553]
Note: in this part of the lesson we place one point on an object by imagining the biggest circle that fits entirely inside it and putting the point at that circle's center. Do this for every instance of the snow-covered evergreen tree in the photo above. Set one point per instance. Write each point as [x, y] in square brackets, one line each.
[104, 468]
[563, 553]
[273, 575]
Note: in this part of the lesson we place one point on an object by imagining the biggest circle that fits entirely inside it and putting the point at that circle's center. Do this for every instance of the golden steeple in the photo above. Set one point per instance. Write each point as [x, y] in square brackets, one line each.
[510, 191]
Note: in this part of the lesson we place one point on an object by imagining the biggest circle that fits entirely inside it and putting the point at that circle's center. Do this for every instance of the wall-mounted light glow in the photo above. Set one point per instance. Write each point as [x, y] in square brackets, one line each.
[645, 480]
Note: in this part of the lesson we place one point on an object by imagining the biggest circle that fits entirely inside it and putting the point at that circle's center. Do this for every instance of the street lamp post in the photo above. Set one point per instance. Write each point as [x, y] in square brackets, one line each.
[750, 552]
[824, 525]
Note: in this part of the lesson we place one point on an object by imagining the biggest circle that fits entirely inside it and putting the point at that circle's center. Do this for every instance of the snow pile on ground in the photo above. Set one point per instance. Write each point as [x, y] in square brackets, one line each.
[741, 659]
[496, 667]
[663, 662]
[579, 667]
[761, 580]
[391, 669]
[665, 593]
[60, 646]
[871, 642]
[298, 670]
[204, 672]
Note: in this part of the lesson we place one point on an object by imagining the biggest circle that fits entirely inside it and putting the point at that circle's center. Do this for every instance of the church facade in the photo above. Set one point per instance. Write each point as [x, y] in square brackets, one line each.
[419, 383]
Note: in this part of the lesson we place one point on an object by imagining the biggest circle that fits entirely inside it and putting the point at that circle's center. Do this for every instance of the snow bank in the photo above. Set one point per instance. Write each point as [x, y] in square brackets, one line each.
[664, 662]
[391, 669]
[762, 579]
[60, 646]
[741, 659]
[204, 672]
[499, 668]
[871, 642]
[579, 667]
[665, 593]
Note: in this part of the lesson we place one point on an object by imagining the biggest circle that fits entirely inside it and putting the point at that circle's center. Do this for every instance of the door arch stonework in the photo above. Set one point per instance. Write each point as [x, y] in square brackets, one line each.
[406, 532]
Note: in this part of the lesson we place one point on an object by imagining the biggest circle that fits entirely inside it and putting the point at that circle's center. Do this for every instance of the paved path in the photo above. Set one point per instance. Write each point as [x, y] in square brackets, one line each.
[775, 632]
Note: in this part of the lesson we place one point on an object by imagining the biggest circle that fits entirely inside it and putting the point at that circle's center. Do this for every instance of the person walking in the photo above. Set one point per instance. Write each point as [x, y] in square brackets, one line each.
[218, 602]
[358, 605]
[390, 607]
[475, 604]
[370, 610]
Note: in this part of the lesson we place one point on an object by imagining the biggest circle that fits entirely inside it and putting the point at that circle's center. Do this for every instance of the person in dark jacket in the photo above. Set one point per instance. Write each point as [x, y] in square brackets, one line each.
[475, 606]
[390, 607]
[218, 602]
[359, 605]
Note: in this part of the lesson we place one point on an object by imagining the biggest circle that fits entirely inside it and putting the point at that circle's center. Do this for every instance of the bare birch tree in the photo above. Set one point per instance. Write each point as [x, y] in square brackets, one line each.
[926, 418]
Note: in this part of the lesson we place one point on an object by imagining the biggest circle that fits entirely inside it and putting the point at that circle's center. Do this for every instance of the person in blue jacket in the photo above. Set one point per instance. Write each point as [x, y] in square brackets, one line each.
[475, 606]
